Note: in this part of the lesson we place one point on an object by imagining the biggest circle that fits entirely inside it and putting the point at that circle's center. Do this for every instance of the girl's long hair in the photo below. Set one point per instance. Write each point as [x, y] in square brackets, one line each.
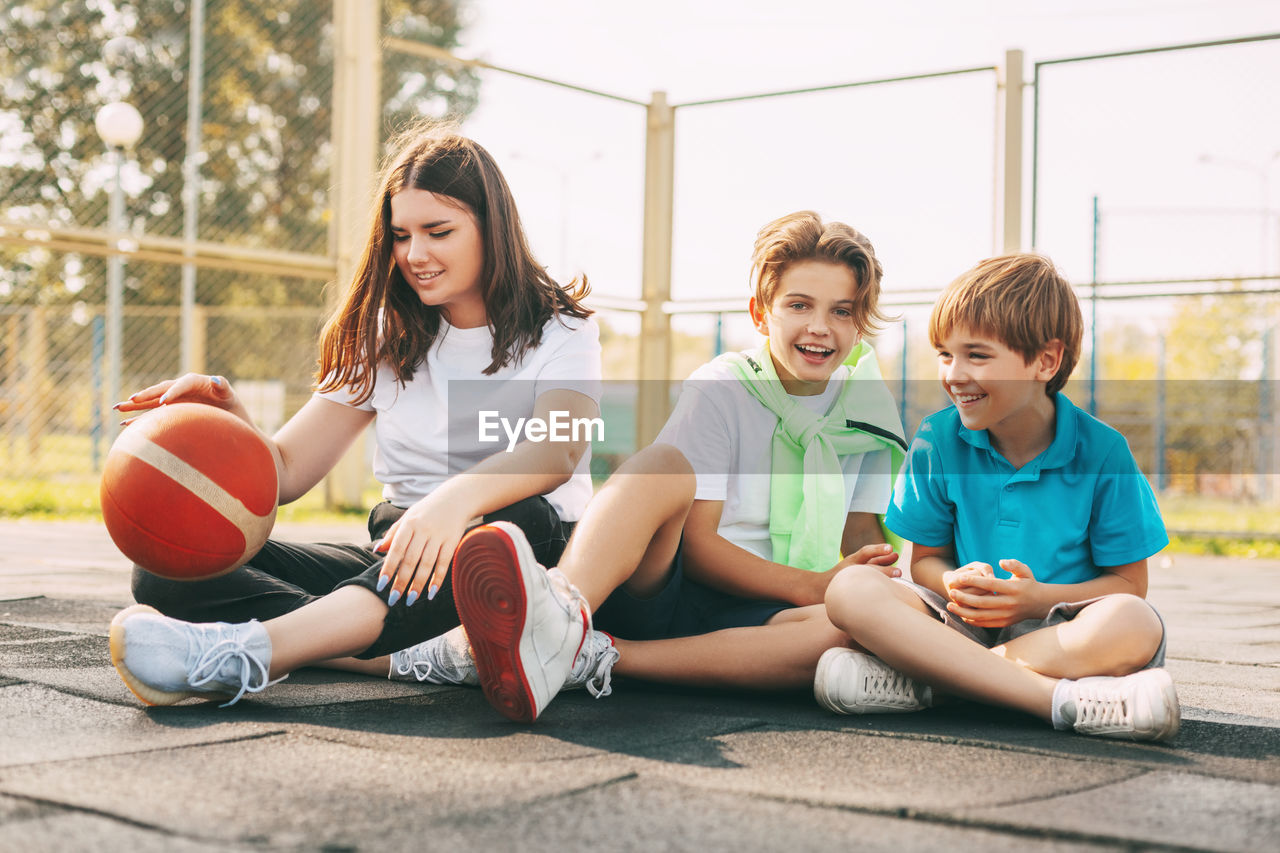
[380, 319]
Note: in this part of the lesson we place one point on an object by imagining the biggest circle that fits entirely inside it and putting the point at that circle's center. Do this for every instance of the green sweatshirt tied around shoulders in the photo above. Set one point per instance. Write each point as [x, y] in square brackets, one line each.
[807, 499]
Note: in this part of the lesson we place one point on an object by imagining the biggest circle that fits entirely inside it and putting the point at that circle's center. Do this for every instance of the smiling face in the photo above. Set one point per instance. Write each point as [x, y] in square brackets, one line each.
[437, 246]
[810, 324]
[993, 387]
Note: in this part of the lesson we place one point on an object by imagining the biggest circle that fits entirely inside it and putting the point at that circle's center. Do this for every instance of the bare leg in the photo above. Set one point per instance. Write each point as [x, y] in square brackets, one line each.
[379, 666]
[652, 491]
[341, 624]
[1114, 636]
[782, 654]
[891, 622]
[631, 528]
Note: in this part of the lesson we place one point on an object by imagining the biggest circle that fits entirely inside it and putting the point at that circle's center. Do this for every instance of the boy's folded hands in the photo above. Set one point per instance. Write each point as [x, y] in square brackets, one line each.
[982, 599]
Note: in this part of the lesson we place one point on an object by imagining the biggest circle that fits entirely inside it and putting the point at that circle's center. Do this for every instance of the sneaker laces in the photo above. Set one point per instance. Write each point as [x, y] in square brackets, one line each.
[231, 651]
[1099, 707]
[593, 668]
[424, 660]
[404, 664]
[573, 598]
[885, 685]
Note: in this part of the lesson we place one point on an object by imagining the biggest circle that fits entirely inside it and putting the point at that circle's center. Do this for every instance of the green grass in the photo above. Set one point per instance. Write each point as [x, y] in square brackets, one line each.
[1227, 527]
[77, 499]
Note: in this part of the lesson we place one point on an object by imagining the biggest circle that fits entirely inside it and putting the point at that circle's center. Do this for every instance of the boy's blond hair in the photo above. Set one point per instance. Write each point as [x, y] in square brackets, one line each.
[1020, 300]
[803, 236]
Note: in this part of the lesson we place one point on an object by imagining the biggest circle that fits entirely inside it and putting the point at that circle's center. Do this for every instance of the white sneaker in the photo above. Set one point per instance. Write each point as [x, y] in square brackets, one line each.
[164, 661]
[593, 667]
[526, 624]
[445, 659]
[850, 682]
[1142, 706]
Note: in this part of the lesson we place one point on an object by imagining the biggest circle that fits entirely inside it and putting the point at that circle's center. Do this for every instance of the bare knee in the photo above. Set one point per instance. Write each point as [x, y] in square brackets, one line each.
[856, 591]
[1133, 629]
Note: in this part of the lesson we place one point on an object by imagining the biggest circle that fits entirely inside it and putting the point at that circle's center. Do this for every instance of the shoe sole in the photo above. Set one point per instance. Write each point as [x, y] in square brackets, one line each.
[493, 604]
[148, 695]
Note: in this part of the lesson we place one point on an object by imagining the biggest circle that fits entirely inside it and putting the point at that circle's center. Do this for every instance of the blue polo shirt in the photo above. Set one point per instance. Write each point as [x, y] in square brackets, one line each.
[1080, 505]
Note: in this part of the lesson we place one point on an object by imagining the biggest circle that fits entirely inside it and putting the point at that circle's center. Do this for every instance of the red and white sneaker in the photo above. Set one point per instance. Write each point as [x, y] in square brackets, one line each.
[526, 624]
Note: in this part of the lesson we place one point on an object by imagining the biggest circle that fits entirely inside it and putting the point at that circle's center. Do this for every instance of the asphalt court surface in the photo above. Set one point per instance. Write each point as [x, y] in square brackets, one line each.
[331, 761]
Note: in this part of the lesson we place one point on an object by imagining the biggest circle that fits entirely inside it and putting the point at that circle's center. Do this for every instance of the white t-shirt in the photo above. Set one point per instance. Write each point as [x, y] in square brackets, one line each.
[422, 440]
[727, 436]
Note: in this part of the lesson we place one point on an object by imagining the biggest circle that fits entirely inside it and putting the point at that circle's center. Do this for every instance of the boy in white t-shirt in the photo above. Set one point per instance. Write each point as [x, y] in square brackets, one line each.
[707, 555]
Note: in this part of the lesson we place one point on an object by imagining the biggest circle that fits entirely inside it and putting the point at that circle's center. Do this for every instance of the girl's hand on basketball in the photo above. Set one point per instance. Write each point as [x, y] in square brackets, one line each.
[986, 601]
[191, 388]
[419, 549]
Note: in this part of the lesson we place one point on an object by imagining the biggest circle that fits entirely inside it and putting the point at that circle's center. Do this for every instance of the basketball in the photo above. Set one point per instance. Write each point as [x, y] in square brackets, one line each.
[189, 491]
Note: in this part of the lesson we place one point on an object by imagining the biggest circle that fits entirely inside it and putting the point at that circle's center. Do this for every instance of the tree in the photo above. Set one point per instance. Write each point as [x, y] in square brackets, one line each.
[267, 90]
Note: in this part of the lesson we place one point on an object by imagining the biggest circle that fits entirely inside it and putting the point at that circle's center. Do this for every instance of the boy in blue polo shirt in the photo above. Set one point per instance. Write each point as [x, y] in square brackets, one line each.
[1032, 527]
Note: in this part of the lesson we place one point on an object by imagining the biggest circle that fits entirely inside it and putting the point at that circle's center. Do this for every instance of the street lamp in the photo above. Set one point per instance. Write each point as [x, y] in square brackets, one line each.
[120, 126]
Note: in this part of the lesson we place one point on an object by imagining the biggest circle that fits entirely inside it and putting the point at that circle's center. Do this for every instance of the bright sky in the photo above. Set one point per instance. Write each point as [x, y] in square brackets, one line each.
[910, 164]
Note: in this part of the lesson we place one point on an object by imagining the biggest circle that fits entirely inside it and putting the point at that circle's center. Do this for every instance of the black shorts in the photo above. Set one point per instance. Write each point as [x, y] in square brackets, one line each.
[682, 608]
[285, 576]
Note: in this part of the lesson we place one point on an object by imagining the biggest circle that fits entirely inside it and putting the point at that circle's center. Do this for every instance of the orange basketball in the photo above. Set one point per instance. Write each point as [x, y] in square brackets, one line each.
[189, 491]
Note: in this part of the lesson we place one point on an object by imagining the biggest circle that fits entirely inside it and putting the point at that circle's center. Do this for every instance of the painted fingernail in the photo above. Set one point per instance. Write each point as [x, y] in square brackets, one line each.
[163, 397]
[411, 598]
[382, 582]
[216, 380]
[393, 598]
[432, 590]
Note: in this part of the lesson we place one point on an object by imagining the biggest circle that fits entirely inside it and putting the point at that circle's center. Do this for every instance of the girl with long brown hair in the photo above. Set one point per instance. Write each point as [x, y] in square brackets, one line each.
[448, 328]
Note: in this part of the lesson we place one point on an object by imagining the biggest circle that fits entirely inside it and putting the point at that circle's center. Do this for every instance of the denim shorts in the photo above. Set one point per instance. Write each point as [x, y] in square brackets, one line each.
[1063, 611]
[682, 608]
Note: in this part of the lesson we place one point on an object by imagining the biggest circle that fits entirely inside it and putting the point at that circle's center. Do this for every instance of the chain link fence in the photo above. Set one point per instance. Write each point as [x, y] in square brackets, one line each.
[237, 103]
[250, 182]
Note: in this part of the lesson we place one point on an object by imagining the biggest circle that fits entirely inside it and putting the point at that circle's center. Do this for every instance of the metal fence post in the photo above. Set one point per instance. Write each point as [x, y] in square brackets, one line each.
[1093, 315]
[904, 388]
[356, 125]
[1268, 461]
[191, 360]
[1161, 472]
[1008, 189]
[653, 401]
[96, 430]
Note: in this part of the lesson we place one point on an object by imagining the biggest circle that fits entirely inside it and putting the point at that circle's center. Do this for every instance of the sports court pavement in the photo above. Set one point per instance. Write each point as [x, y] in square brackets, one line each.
[327, 761]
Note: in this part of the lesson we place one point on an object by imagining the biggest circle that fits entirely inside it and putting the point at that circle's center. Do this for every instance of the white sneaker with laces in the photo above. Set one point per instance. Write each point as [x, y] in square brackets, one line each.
[526, 624]
[1142, 706]
[849, 682]
[445, 659]
[593, 667]
[164, 661]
